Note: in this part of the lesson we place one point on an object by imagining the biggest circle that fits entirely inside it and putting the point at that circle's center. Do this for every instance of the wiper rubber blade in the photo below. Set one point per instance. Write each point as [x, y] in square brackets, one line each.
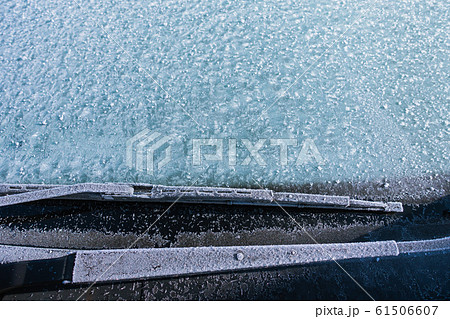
[18, 194]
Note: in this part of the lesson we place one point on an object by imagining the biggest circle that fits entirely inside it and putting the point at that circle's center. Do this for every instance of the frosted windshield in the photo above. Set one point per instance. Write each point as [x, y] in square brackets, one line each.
[222, 92]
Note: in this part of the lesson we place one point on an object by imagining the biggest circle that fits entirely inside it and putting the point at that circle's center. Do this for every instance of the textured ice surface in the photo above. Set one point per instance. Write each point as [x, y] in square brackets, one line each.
[77, 81]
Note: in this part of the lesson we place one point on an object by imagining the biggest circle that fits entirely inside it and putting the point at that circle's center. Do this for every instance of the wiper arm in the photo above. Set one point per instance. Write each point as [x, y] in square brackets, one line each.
[22, 266]
[36, 272]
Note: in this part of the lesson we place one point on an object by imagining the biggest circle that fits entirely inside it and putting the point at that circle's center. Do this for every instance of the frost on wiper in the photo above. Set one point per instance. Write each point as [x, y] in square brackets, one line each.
[17, 194]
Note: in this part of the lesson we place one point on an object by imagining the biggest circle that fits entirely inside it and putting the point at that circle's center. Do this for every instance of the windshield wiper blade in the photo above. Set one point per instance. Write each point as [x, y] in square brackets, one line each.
[31, 195]
[18, 194]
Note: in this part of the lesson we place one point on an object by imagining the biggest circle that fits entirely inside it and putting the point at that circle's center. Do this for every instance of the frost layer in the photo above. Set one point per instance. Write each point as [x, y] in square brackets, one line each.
[367, 81]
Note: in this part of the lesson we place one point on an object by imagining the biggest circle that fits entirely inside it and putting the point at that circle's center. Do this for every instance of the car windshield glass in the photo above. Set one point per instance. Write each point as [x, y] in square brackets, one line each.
[223, 93]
